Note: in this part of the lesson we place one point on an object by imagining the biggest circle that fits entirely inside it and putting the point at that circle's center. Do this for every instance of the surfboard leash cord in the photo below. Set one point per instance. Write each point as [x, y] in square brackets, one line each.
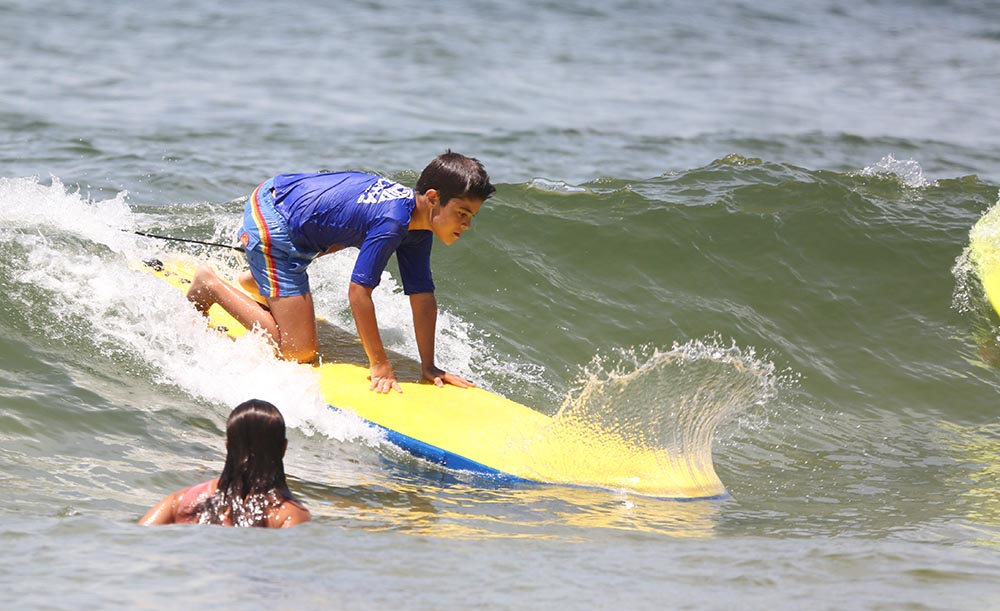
[187, 240]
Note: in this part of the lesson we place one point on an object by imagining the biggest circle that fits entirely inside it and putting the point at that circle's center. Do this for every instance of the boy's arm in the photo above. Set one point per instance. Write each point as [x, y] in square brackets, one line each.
[424, 308]
[363, 308]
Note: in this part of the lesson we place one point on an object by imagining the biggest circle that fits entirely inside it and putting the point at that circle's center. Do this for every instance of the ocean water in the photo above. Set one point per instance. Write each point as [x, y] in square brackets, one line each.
[741, 225]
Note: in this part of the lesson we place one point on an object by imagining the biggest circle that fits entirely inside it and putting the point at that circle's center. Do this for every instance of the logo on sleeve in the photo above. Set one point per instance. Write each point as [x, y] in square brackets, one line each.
[384, 190]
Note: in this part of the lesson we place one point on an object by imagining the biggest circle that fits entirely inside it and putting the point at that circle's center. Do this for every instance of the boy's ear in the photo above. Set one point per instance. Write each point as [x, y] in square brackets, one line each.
[433, 197]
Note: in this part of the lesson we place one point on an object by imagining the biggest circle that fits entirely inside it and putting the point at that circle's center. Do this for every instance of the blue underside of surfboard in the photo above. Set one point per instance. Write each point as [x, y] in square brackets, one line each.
[456, 462]
[438, 455]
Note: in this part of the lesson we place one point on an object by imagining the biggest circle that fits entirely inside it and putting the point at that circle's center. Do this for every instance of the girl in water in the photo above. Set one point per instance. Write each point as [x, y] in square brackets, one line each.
[251, 491]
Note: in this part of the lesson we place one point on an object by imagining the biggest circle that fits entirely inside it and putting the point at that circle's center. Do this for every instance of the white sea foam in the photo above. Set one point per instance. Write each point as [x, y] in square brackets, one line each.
[131, 315]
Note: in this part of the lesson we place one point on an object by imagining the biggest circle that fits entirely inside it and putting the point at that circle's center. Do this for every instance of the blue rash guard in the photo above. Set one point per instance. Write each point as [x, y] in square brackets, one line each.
[361, 210]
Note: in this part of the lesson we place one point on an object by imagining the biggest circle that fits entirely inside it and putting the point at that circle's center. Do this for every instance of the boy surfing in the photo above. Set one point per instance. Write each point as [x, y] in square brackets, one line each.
[291, 219]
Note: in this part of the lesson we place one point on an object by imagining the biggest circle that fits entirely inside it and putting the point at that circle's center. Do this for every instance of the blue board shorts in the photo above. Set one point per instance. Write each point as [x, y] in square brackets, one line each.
[277, 265]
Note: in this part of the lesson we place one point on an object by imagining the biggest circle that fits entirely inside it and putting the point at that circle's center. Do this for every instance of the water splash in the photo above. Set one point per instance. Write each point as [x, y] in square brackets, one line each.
[69, 274]
[31, 207]
[908, 172]
[647, 418]
[670, 399]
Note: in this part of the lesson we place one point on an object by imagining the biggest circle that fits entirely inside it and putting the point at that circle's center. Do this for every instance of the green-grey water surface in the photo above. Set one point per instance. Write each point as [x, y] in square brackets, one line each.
[763, 209]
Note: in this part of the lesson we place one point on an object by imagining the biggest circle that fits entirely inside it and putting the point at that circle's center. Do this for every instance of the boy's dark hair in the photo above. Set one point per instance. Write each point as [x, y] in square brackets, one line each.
[455, 175]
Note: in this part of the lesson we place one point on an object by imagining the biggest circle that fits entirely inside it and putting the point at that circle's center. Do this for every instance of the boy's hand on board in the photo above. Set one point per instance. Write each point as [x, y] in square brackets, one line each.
[440, 377]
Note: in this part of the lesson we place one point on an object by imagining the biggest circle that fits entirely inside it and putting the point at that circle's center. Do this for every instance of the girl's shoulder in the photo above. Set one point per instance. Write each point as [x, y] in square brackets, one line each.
[289, 513]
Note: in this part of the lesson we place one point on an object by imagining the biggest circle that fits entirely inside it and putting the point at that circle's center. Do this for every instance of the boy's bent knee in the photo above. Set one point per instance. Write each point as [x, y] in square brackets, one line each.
[202, 290]
[204, 273]
[302, 355]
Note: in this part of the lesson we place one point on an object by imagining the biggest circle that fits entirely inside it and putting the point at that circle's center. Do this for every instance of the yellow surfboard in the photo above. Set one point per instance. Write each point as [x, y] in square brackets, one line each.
[483, 433]
[984, 250]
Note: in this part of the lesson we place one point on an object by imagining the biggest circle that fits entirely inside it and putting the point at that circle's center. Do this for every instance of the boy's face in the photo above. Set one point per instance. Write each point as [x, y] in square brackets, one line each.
[450, 220]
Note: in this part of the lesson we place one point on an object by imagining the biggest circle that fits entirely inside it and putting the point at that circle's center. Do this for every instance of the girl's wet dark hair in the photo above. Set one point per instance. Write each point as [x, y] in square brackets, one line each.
[253, 480]
[455, 175]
